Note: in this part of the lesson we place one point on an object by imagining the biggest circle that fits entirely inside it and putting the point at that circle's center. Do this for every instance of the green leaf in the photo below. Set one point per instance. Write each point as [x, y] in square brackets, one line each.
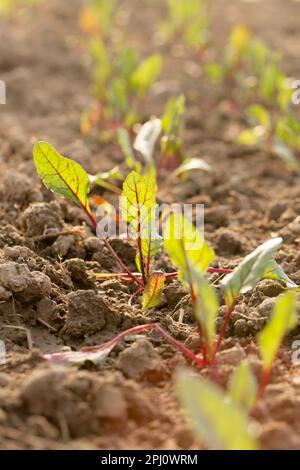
[62, 175]
[138, 199]
[138, 210]
[153, 291]
[146, 139]
[274, 271]
[190, 165]
[146, 73]
[212, 414]
[243, 386]
[206, 311]
[283, 321]
[187, 248]
[249, 271]
[125, 144]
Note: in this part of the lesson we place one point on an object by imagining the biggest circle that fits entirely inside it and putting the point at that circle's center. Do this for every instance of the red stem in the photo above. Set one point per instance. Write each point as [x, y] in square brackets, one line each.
[222, 331]
[139, 241]
[264, 380]
[152, 327]
[112, 251]
[135, 294]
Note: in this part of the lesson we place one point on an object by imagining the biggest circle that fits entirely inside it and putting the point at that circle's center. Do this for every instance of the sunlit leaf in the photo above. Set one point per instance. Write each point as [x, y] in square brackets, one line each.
[153, 291]
[218, 422]
[61, 175]
[138, 199]
[283, 321]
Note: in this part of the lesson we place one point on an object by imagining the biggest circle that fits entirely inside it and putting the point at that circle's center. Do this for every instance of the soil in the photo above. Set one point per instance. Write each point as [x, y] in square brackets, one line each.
[49, 297]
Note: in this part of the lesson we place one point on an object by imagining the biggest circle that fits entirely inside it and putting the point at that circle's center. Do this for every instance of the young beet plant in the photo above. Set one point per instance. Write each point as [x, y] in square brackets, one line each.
[185, 245]
[253, 68]
[167, 162]
[120, 83]
[188, 19]
[210, 409]
[273, 134]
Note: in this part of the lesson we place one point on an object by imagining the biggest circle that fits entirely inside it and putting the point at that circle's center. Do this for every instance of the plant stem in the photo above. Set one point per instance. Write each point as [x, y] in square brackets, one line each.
[264, 380]
[135, 294]
[112, 251]
[223, 330]
[149, 327]
[180, 347]
[202, 344]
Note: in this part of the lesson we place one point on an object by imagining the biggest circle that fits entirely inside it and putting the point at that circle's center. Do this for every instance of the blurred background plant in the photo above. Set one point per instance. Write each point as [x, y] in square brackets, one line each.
[120, 78]
[187, 20]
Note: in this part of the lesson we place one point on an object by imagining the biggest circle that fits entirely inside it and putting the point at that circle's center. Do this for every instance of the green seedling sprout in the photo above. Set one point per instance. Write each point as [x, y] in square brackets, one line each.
[143, 155]
[251, 270]
[188, 19]
[273, 134]
[192, 256]
[283, 321]
[253, 68]
[120, 84]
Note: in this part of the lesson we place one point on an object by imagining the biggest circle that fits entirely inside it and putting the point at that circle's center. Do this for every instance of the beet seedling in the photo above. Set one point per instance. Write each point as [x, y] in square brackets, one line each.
[253, 68]
[141, 156]
[278, 135]
[97, 17]
[188, 19]
[210, 409]
[120, 84]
